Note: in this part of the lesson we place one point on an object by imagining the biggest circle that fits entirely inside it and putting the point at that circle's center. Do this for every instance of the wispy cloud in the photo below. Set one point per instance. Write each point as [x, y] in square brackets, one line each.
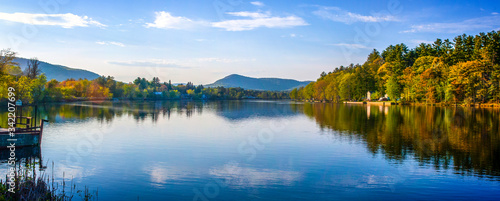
[111, 43]
[67, 20]
[257, 3]
[149, 63]
[221, 60]
[258, 19]
[351, 45]
[165, 20]
[177, 63]
[292, 35]
[339, 15]
[488, 22]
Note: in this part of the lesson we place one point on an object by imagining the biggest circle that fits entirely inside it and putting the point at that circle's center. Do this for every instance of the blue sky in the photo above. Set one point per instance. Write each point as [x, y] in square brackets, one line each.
[202, 41]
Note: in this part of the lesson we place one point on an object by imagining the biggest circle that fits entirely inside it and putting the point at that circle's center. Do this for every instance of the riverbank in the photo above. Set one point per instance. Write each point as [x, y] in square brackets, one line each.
[384, 103]
[391, 103]
[98, 100]
[481, 105]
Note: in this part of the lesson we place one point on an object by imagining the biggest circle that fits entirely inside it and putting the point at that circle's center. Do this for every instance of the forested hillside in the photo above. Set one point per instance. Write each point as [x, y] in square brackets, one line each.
[262, 84]
[31, 86]
[464, 71]
[58, 72]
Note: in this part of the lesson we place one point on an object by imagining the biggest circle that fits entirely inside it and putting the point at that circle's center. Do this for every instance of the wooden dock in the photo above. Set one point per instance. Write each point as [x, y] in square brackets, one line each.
[24, 132]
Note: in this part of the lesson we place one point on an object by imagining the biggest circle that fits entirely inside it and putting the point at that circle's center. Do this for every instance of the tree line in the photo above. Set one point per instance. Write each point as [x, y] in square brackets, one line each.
[463, 71]
[32, 86]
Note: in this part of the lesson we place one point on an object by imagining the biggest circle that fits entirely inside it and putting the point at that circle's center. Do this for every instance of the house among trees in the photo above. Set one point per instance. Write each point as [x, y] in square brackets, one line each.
[369, 95]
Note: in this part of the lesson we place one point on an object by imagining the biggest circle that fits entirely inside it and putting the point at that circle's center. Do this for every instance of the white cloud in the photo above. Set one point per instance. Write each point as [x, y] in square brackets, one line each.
[257, 3]
[110, 43]
[258, 19]
[160, 174]
[292, 35]
[351, 45]
[165, 20]
[488, 22]
[418, 42]
[67, 20]
[242, 177]
[338, 15]
[494, 13]
[249, 14]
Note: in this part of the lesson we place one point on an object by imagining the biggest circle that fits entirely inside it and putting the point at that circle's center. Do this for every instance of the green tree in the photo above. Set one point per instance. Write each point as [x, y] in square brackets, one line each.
[38, 88]
[294, 94]
[393, 88]
[308, 92]
[23, 88]
[33, 69]
[7, 57]
[346, 87]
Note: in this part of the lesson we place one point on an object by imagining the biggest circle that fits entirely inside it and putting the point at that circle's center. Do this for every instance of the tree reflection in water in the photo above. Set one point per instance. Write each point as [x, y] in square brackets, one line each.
[464, 139]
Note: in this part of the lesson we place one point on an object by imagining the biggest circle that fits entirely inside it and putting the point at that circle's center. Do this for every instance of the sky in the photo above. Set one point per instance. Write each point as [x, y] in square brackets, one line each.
[203, 41]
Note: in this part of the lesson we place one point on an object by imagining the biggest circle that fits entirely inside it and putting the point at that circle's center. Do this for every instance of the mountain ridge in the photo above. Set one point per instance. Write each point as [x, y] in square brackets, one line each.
[261, 84]
[58, 72]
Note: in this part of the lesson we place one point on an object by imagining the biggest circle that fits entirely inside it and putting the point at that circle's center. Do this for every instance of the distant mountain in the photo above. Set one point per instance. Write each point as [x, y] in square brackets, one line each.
[264, 84]
[58, 72]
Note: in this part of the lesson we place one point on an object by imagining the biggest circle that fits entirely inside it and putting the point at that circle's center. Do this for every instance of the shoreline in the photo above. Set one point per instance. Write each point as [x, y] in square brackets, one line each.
[144, 99]
[388, 103]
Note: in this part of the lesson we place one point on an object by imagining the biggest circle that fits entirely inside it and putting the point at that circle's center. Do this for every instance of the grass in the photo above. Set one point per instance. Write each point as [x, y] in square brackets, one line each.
[30, 186]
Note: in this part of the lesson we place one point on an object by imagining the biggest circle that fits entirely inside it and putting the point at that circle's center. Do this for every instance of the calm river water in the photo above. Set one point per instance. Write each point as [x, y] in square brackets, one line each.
[272, 150]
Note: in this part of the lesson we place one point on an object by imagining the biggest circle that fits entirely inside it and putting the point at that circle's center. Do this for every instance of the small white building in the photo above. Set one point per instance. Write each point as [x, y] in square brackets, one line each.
[369, 95]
